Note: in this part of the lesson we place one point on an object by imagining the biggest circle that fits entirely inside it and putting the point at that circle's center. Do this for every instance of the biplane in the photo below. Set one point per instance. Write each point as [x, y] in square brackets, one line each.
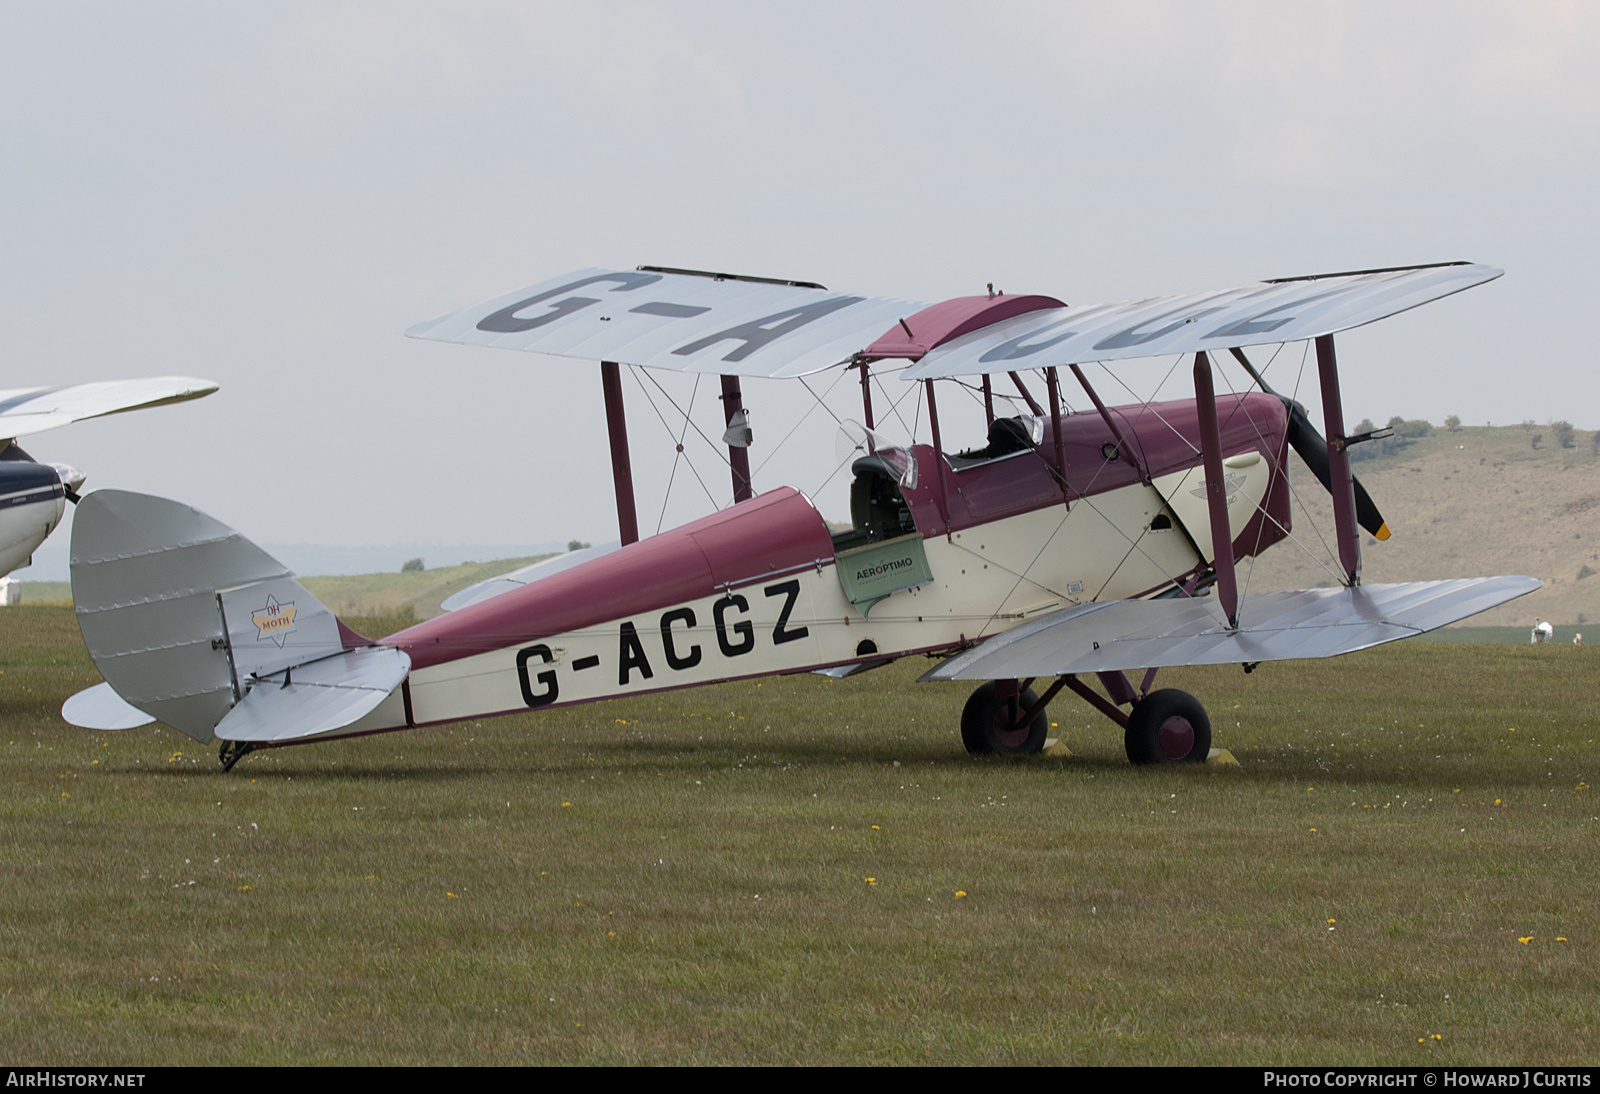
[1071, 548]
[34, 495]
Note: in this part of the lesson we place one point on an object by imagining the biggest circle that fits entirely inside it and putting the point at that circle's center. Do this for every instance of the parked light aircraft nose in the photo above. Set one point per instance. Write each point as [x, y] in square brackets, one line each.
[34, 495]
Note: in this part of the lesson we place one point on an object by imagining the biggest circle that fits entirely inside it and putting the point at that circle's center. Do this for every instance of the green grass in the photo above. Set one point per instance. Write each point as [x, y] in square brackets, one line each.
[684, 878]
[1507, 636]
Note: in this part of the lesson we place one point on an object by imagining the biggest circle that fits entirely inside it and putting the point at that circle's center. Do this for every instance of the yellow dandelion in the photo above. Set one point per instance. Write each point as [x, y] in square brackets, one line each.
[451, 895]
[960, 893]
[875, 828]
[565, 804]
[1525, 941]
[872, 881]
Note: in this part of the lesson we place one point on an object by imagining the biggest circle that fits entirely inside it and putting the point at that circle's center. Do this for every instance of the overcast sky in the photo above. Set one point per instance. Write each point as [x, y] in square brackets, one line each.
[268, 195]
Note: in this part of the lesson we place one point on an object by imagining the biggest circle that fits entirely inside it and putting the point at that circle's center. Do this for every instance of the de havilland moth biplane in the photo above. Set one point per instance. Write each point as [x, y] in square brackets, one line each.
[1072, 546]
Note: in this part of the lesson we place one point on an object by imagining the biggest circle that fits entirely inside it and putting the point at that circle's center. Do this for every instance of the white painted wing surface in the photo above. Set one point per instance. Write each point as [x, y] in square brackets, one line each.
[492, 587]
[24, 411]
[1266, 312]
[1277, 626]
[677, 322]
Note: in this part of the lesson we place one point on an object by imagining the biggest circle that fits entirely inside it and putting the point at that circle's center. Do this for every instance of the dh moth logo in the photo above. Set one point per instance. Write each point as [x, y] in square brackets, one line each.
[1230, 484]
[275, 621]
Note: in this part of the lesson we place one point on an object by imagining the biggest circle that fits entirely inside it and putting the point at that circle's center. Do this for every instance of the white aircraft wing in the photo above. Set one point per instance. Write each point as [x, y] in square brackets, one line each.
[1278, 626]
[1288, 310]
[24, 411]
[516, 579]
[681, 322]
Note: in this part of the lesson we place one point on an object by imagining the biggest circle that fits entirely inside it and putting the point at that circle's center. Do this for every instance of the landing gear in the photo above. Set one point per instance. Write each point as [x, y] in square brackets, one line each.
[234, 751]
[990, 722]
[1168, 727]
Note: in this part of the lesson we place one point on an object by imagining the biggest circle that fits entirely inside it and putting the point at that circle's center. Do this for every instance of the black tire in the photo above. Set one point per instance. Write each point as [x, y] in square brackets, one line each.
[1168, 727]
[986, 728]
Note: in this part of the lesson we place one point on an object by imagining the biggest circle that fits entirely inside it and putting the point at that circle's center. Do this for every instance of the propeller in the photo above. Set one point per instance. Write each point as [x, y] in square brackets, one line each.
[1313, 449]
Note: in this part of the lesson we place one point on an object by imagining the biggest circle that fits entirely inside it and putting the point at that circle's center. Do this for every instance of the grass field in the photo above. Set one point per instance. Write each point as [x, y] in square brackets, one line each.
[1402, 871]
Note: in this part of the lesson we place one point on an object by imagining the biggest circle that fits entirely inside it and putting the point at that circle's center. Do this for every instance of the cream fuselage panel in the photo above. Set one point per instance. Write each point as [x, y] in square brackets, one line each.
[986, 580]
[1247, 476]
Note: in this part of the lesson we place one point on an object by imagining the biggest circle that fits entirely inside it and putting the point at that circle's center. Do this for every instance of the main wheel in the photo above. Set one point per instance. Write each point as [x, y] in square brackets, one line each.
[1168, 727]
[986, 725]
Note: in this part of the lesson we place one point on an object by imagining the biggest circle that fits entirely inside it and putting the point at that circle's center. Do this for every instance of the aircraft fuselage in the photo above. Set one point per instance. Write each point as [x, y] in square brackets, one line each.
[764, 587]
[32, 501]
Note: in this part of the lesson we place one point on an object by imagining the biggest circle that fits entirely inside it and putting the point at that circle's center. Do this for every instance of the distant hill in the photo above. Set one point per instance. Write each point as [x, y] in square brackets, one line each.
[1468, 503]
[387, 594]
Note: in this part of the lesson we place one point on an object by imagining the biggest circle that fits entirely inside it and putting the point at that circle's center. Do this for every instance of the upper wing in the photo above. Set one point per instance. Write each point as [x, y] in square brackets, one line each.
[1270, 311]
[682, 322]
[24, 411]
[1280, 626]
[746, 327]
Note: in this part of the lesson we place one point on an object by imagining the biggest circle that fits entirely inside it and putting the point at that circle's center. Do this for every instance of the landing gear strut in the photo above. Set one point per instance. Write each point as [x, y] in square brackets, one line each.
[234, 751]
[1168, 727]
[992, 721]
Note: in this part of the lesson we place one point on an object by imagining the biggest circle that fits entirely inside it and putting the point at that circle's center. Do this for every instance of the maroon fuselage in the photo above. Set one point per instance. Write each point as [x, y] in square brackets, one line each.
[781, 532]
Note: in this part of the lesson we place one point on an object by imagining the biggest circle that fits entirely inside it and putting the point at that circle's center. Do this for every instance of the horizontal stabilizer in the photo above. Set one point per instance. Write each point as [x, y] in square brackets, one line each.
[322, 697]
[100, 707]
[1277, 626]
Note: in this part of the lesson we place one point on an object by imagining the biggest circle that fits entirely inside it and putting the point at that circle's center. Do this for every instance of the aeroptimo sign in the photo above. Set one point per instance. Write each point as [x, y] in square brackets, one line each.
[871, 573]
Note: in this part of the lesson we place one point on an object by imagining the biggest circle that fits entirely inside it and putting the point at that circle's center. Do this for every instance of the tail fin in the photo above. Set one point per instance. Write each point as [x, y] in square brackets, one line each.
[186, 619]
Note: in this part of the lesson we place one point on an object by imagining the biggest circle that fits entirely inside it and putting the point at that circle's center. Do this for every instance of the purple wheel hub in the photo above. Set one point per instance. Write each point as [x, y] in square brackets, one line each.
[1176, 738]
[1008, 734]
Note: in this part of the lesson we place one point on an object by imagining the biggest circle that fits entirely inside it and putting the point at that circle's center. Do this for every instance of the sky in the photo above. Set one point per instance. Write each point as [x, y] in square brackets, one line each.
[267, 195]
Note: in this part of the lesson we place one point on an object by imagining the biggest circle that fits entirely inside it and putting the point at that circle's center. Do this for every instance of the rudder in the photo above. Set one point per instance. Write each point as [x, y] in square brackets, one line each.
[184, 617]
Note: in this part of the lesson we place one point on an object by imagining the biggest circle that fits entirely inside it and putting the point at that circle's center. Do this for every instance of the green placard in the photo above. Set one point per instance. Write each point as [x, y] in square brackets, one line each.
[871, 573]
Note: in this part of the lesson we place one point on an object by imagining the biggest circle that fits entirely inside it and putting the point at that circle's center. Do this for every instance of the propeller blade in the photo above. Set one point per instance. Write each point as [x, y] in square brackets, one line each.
[1313, 449]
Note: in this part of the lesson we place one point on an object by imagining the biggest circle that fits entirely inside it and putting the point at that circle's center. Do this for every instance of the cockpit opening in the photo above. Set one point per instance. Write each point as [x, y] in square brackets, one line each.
[878, 510]
[1007, 437]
